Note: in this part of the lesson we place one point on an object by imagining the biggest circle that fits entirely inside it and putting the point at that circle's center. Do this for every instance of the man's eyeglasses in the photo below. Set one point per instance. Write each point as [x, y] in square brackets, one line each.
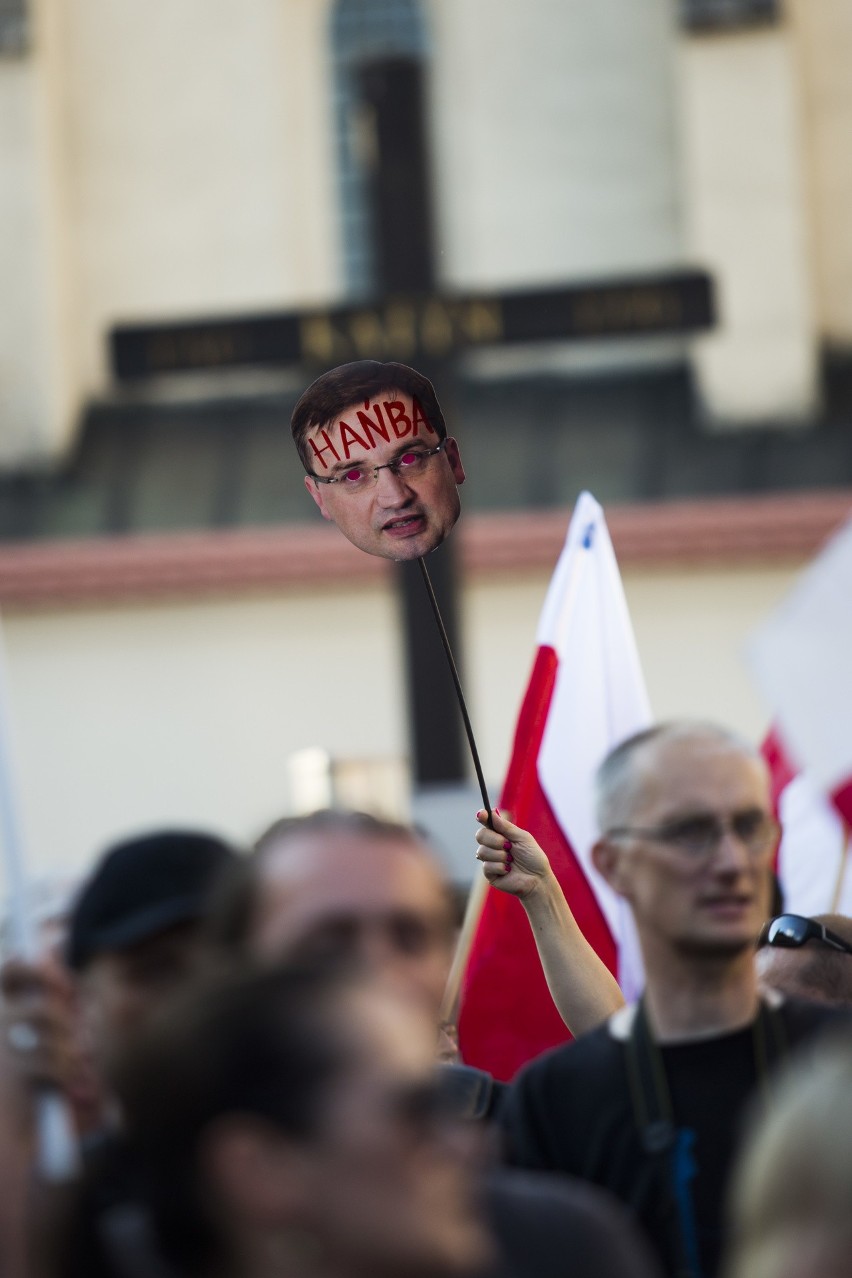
[408, 465]
[791, 931]
[700, 835]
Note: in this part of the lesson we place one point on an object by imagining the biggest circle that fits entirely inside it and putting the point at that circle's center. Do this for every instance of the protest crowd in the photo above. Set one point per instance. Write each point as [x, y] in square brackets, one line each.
[250, 1048]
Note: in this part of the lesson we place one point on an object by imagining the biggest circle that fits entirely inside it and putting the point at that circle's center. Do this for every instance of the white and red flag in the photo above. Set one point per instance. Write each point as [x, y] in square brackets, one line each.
[586, 693]
[800, 658]
[813, 856]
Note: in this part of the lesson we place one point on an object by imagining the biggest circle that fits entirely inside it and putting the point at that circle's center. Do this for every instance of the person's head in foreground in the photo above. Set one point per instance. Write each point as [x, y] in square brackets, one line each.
[345, 885]
[286, 1121]
[135, 928]
[791, 1201]
[687, 838]
[808, 958]
[379, 462]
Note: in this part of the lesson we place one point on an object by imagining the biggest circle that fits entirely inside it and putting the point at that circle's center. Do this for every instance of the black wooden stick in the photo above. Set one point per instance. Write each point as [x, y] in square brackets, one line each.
[439, 621]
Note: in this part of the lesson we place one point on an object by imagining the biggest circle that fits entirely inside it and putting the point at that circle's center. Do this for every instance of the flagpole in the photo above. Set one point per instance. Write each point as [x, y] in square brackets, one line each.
[841, 870]
[472, 913]
[57, 1150]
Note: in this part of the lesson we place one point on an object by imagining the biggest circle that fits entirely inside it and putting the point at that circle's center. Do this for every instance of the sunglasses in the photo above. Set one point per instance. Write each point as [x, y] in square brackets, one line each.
[791, 931]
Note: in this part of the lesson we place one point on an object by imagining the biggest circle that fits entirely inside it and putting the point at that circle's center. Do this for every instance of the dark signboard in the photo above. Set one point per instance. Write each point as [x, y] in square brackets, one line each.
[413, 327]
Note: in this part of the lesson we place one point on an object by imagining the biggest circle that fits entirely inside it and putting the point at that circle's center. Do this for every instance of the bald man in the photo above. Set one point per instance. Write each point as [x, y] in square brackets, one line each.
[649, 1105]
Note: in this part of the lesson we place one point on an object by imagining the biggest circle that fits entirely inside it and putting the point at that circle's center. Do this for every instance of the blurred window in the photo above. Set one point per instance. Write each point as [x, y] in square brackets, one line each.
[362, 32]
[711, 14]
[14, 31]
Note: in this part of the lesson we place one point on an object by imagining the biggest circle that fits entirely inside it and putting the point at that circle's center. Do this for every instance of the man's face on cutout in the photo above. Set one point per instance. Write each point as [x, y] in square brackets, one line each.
[406, 508]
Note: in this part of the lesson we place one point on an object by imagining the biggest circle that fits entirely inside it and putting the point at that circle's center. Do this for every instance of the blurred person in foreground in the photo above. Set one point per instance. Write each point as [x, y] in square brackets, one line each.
[341, 884]
[133, 933]
[17, 1158]
[791, 1201]
[350, 885]
[648, 1105]
[808, 958]
[286, 1122]
[289, 1121]
[135, 930]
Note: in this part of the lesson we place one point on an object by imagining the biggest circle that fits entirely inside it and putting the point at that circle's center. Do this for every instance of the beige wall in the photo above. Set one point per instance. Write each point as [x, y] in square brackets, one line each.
[823, 34]
[172, 160]
[555, 139]
[746, 207]
[178, 159]
[201, 175]
[155, 161]
[127, 717]
[35, 403]
[139, 715]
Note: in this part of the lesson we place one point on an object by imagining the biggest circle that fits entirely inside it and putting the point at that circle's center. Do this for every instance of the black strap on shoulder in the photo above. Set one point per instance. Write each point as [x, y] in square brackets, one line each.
[655, 1118]
[655, 1123]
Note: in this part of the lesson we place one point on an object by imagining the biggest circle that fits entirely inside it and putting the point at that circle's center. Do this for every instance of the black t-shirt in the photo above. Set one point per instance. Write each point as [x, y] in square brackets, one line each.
[574, 1110]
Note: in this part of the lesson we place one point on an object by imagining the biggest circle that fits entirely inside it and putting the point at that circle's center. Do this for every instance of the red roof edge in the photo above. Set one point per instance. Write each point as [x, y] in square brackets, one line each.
[786, 527]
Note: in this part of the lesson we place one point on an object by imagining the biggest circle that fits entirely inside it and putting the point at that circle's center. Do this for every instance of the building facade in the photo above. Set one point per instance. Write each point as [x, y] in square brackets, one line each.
[204, 163]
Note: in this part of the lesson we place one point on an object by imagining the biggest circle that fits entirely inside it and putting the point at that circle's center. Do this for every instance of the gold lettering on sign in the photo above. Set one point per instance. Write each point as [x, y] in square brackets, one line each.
[367, 334]
[320, 341]
[401, 329]
[209, 349]
[639, 308]
[482, 321]
[436, 329]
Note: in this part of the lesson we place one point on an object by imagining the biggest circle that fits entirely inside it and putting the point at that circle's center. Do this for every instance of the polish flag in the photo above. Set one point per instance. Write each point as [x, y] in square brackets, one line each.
[814, 853]
[586, 694]
[800, 659]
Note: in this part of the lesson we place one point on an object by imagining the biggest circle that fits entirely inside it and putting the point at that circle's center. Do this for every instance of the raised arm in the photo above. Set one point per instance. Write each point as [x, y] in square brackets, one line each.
[583, 988]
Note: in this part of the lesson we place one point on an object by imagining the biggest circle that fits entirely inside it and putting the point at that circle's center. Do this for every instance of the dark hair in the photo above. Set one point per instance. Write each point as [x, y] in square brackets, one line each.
[348, 384]
[822, 974]
[234, 904]
[255, 1041]
[141, 887]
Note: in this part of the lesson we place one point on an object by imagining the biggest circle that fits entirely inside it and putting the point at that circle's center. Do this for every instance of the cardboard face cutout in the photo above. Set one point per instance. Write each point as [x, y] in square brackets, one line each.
[382, 474]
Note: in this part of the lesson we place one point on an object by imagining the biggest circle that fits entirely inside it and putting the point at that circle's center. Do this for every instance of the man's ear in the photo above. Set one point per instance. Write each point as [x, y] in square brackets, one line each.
[608, 860]
[453, 456]
[256, 1170]
[316, 492]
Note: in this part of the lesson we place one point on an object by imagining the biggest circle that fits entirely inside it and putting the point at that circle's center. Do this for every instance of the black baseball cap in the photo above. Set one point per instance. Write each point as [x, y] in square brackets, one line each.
[143, 886]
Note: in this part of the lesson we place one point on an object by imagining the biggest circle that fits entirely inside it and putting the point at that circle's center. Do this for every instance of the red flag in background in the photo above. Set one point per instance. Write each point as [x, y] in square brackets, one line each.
[800, 658]
[813, 856]
[782, 769]
[585, 695]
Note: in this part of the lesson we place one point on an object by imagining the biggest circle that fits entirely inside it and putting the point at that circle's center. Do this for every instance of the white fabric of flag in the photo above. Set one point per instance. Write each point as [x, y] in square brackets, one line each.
[813, 859]
[800, 660]
[599, 699]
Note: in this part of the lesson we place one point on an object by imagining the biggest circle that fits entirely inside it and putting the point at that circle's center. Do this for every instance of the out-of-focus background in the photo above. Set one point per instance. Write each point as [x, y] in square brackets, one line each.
[617, 234]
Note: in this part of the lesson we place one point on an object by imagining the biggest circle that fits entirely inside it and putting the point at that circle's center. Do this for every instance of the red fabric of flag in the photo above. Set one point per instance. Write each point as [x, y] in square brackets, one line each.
[584, 695]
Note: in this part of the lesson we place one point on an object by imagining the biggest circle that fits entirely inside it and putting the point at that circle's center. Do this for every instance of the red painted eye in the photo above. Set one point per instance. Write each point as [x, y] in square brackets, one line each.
[353, 476]
[409, 459]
